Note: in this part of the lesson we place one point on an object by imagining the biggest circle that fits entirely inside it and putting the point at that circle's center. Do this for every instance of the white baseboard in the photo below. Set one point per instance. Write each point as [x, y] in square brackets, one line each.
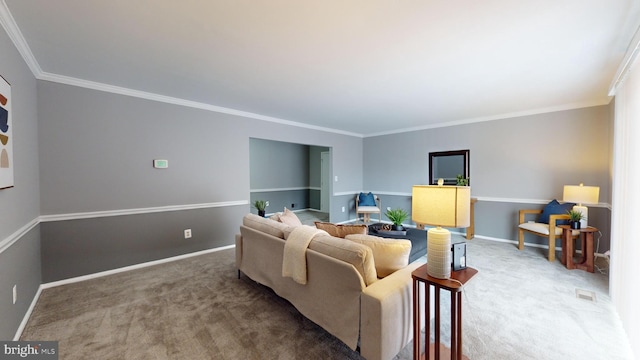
[49, 285]
[27, 315]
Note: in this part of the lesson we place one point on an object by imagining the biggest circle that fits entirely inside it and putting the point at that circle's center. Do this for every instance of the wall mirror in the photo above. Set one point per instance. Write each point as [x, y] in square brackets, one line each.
[447, 165]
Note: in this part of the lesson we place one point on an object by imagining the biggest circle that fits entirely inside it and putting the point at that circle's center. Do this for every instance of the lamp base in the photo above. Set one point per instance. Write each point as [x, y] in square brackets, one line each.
[439, 253]
[585, 215]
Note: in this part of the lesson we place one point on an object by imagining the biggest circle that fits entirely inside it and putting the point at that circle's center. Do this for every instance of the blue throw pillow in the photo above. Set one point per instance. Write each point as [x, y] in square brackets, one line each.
[367, 200]
[555, 208]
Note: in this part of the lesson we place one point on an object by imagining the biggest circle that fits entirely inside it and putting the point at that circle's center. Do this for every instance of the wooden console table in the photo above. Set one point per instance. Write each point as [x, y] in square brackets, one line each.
[586, 244]
[454, 286]
[471, 230]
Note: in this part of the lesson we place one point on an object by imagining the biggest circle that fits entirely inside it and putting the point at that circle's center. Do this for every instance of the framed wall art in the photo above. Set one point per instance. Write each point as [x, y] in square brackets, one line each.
[6, 137]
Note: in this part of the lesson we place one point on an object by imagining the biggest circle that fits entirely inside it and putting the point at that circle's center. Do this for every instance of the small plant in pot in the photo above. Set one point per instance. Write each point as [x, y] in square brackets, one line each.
[461, 180]
[260, 205]
[574, 218]
[397, 216]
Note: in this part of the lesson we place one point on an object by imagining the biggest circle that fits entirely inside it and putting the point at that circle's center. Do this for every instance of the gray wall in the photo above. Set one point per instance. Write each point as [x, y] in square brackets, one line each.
[515, 163]
[96, 155]
[285, 174]
[20, 205]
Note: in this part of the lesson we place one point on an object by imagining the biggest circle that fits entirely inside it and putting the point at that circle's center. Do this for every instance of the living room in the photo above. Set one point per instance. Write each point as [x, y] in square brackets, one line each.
[87, 199]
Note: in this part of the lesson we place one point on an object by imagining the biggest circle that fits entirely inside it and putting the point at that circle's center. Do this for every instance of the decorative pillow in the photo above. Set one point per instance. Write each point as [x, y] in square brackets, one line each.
[553, 208]
[276, 216]
[389, 255]
[341, 230]
[366, 199]
[290, 218]
[268, 226]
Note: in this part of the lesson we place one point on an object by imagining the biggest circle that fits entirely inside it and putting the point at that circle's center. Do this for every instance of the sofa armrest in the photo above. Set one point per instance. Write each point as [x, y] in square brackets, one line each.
[386, 314]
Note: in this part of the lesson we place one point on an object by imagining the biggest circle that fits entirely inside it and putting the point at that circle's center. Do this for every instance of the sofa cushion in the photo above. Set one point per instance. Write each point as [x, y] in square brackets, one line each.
[341, 230]
[268, 226]
[389, 254]
[290, 218]
[358, 255]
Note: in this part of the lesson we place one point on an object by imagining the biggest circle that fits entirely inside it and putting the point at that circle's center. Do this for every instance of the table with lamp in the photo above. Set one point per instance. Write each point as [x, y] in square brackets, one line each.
[580, 195]
[440, 206]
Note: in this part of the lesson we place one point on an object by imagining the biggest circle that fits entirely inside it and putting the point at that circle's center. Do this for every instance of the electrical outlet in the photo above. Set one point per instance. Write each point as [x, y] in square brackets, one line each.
[343, 209]
[187, 233]
[15, 293]
[267, 203]
[292, 205]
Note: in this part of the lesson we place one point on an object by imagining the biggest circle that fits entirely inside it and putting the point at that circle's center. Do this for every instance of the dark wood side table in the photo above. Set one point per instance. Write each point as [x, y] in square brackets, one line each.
[454, 286]
[586, 244]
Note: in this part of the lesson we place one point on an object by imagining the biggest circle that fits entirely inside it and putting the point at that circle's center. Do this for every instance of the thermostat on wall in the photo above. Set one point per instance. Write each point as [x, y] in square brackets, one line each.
[160, 164]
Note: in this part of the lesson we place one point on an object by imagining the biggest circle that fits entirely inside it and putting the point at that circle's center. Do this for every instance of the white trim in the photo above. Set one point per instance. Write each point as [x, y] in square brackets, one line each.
[281, 189]
[565, 107]
[108, 213]
[11, 239]
[626, 64]
[132, 267]
[178, 101]
[12, 29]
[27, 315]
[344, 193]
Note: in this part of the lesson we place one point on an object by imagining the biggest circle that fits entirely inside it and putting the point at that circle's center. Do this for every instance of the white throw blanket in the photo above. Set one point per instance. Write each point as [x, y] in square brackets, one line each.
[294, 260]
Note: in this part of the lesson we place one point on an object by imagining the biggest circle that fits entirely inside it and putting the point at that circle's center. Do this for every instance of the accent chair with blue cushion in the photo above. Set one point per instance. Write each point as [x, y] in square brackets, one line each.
[367, 204]
[553, 214]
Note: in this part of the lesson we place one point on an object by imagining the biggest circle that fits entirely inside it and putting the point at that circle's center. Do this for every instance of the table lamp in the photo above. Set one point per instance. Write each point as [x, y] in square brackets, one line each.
[581, 194]
[440, 206]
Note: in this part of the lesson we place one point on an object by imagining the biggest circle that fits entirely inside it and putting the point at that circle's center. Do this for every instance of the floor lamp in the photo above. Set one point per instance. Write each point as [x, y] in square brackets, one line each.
[581, 194]
[440, 206]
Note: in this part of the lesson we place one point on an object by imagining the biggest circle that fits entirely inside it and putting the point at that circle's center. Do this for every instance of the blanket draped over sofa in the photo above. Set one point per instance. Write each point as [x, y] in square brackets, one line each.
[294, 262]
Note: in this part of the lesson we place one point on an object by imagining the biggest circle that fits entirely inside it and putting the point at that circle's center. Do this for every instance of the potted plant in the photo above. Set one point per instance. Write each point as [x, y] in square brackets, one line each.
[260, 205]
[461, 180]
[574, 218]
[397, 216]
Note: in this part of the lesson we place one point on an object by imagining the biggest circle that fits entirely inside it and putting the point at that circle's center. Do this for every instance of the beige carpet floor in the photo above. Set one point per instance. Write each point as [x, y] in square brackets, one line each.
[519, 306]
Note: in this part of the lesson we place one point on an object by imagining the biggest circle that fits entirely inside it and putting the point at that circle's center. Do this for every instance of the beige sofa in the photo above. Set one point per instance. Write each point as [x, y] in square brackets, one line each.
[342, 294]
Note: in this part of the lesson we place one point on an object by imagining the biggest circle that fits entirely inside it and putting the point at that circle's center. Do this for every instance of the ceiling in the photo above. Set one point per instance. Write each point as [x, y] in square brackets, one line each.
[361, 67]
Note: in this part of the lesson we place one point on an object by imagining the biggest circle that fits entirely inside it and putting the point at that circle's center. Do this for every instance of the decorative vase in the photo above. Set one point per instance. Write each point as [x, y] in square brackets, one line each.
[261, 213]
[575, 225]
[397, 227]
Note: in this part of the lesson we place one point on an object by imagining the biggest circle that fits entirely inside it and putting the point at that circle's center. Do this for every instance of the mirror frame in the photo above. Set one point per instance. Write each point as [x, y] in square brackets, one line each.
[433, 178]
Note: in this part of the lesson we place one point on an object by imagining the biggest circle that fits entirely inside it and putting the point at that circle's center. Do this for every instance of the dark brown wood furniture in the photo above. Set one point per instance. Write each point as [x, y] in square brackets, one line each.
[586, 244]
[454, 286]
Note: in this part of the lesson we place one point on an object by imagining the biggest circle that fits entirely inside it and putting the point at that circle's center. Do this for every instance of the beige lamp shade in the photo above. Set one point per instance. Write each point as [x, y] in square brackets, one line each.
[581, 194]
[446, 206]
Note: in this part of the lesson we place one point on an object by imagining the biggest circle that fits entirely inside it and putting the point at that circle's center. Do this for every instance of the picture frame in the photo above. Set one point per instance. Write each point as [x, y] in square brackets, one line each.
[447, 165]
[6, 135]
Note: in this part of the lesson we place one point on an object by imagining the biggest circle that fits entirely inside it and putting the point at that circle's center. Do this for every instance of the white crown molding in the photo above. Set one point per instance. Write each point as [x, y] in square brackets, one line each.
[12, 29]
[627, 63]
[572, 106]
[62, 79]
